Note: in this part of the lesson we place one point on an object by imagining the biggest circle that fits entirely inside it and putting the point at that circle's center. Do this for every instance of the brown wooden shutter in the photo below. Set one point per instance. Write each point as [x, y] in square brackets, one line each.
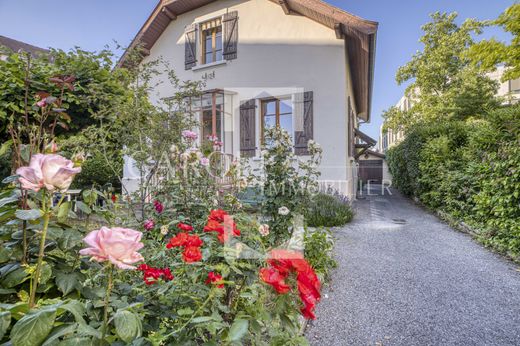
[230, 23]
[303, 137]
[247, 129]
[190, 46]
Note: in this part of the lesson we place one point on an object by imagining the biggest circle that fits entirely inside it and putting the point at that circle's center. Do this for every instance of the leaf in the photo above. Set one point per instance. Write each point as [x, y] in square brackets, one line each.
[83, 207]
[5, 321]
[5, 147]
[128, 325]
[33, 328]
[76, 341]
[10, 179]
[63, 212]
[238, 329]
[4, 291]
[70, 239]
[202, 319]
[5, 254]
[76, 308]
[60, 331]
[66, 282]
[14, 278]
[185, 312]
[32, 214]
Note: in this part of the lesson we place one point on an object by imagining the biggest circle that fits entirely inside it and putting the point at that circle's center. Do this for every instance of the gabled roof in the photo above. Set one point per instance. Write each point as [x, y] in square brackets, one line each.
[359, 35]
[16, 46]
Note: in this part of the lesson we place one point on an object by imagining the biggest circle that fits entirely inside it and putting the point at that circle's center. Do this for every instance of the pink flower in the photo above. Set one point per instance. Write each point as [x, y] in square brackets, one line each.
[189, 134]
[117, 245]
[204, 161]
[54, 172]
[159, 207]
[42, 102]
[149, 225]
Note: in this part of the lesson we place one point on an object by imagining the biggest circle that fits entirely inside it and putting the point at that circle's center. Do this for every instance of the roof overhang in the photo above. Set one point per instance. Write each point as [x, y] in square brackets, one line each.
[369, 142]
[359, 35]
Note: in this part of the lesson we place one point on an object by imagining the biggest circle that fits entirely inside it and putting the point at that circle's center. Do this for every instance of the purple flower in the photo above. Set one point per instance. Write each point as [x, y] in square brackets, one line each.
[149, 225]
[187, 134]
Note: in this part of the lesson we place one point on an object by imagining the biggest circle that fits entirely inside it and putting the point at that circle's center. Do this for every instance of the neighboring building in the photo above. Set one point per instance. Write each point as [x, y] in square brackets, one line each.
[508, 90]
[9, 45]
[389, 138]
[303, 65]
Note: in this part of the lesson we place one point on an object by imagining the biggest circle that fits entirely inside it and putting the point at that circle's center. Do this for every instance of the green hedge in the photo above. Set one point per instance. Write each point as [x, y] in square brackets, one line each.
[468, 169]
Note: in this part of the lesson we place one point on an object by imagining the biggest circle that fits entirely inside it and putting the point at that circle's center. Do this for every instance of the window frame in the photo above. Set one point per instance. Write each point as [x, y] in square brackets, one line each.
[263, 110]
[213, 32]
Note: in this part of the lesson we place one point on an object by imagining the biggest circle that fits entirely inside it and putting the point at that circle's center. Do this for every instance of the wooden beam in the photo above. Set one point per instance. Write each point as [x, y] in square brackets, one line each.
[338, 28]
[285, 6]
[168, 13]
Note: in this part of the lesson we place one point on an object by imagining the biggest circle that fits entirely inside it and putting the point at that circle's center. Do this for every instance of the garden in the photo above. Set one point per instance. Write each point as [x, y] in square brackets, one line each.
[181, 261]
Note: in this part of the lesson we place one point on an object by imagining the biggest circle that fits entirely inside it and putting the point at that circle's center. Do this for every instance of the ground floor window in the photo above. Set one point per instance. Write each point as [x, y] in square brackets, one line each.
[210, 109]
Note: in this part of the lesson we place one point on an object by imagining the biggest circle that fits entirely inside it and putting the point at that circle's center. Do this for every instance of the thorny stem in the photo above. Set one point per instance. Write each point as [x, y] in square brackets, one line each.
[36, 276]
[106, 303]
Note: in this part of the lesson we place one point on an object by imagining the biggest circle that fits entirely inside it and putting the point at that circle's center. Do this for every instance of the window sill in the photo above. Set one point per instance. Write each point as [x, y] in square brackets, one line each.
[211, 64]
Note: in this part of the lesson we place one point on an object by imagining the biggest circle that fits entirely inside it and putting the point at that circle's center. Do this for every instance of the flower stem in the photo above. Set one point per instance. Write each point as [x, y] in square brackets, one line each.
[107, 301]
[41, 253]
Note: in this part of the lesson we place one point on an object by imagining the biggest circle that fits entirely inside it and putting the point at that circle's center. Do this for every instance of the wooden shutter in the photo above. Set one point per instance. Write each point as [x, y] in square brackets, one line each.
[190, 46]
[303, 137]
[247, 129]
[230, 23]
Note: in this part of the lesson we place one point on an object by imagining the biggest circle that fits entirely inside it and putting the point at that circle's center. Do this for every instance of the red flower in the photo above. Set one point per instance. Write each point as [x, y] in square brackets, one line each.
[217, 215]
[113, 198]
[217, 222]
[281, 264]
[191, 254]
[194, 240]
[215, 279]
[274, 278]
[179, 240]
[184, 227]
[151, 275]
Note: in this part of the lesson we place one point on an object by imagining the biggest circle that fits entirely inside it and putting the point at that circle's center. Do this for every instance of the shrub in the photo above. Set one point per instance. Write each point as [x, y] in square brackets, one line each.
[326, 210]
[469, 169]
[318, 251]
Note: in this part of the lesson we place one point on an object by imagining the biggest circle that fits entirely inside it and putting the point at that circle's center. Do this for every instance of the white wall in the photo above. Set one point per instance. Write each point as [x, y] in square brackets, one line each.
[276, 52]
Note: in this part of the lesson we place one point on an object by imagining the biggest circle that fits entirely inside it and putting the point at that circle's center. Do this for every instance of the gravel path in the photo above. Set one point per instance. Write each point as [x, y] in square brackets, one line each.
[417, 283]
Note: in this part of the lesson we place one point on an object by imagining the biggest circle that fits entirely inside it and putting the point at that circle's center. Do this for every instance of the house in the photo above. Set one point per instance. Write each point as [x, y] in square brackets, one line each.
[303, 65]
[389, 137]
[9, 45]
[373, 168]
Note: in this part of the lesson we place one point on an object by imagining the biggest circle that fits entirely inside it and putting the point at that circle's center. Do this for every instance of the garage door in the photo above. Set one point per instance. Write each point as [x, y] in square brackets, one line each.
[371, 170]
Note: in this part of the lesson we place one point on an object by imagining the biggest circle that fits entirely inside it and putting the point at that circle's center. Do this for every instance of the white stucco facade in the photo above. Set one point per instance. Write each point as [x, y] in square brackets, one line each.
[278, 55]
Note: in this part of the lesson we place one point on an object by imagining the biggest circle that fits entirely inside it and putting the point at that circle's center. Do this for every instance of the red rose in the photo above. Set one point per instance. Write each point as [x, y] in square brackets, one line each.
[217, 215]
[193, 240]
[184, 227]
[274, 278]
[215, 279]
[191, 254]
[151, 275]
[179, 240]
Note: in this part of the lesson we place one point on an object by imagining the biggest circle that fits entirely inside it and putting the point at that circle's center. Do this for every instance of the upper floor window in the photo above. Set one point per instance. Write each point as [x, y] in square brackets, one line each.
[277, 112]
[211, 41]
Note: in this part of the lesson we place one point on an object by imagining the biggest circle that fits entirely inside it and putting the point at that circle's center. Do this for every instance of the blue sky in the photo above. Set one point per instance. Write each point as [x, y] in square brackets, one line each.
[94, 23]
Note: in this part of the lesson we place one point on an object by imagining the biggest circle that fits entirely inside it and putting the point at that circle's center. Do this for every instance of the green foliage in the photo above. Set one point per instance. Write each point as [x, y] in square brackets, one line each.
[325, 210]
[487, 54]
[319, 246]
[444, 83]
[469, 169]
[98, 172]
[288, 183]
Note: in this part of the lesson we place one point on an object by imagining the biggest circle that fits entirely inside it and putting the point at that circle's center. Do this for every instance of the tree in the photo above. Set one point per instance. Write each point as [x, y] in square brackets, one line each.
[444, 83]
[488, 53]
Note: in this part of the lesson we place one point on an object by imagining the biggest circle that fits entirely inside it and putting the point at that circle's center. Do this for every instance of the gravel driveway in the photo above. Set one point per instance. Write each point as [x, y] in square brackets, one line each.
[406, 278]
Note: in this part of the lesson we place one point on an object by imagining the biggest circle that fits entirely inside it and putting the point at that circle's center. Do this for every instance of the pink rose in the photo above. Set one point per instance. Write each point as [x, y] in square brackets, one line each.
[54, 172]
[149, 225]
[42, 103]
[189, 134]
[204, 161]
[117, 245]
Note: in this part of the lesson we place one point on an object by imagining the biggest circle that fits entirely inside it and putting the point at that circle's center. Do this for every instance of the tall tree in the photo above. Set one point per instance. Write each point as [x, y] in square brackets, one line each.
[488, 53]
[444, 85]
